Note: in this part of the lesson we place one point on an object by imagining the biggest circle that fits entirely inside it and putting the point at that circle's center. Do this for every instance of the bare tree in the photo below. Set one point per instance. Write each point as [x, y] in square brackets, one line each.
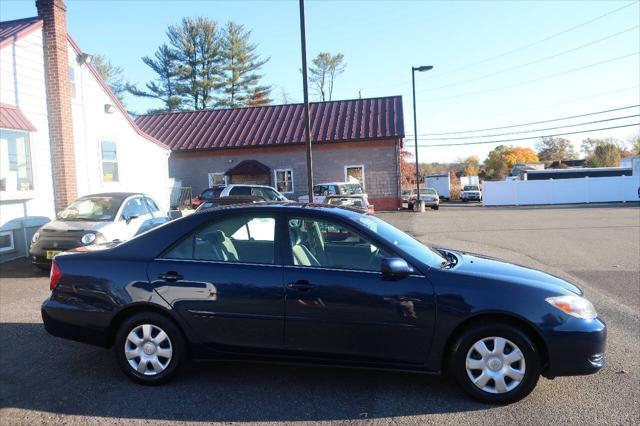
[326, 67]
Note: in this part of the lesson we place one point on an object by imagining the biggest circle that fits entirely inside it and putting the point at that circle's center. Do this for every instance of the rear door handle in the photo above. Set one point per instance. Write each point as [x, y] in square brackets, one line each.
[170, 276]
[301, 285]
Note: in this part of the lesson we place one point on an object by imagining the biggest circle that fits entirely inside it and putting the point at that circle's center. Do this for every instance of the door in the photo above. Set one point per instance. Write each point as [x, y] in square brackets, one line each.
[158, 217]
[223, 279]
[135, 218]
[339, 305]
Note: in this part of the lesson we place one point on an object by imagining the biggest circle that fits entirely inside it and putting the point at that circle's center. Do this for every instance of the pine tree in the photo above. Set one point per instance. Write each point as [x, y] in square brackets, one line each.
[165, 87]
[240, 84]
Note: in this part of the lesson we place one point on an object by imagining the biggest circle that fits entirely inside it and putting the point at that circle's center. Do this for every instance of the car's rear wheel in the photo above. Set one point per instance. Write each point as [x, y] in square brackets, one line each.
[149, 348]
[436, 207]
[496, 363]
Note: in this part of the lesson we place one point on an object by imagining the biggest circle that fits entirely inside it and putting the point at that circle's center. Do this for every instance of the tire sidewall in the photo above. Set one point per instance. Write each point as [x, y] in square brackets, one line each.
[177, 345]
[515, 335]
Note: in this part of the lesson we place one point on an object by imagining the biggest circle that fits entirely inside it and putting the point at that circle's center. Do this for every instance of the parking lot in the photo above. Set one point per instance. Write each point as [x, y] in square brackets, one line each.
[45, 379]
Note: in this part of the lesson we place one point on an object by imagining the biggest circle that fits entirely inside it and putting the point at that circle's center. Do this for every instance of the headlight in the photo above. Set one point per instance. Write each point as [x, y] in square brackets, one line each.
[35, 238]
[88, 238]
[573, 305]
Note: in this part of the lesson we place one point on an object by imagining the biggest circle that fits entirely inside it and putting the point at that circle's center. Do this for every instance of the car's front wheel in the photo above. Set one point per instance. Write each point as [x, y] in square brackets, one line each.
[496, 363]
[149, 348]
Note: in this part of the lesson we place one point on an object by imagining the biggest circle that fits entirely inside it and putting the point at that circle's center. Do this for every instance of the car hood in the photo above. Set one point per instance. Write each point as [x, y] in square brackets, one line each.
[495, 269]
[64, 226]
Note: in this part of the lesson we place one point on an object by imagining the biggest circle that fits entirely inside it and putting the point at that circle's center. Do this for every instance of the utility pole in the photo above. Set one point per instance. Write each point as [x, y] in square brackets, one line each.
[418, 206]
[307, 121]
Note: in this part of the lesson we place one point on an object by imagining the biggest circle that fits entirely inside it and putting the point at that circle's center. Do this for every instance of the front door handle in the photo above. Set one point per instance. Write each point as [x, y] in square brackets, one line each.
[301, 285]
[170, 276]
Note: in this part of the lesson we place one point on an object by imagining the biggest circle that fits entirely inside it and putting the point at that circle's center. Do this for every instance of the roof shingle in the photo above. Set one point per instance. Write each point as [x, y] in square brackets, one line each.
[11, 31]
[334, 121]
[12, 118]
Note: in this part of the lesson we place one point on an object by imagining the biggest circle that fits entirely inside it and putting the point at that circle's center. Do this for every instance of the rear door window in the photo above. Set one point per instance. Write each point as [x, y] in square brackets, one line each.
[240, 190]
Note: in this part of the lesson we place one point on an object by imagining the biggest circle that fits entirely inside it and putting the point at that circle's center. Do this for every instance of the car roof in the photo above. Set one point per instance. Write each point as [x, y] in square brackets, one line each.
[337, 183]
[112, 194]
[290, 207]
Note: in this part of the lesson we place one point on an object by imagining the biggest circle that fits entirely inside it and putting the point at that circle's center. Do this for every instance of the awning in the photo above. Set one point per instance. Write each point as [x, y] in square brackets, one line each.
[12, 118]
[248, 167]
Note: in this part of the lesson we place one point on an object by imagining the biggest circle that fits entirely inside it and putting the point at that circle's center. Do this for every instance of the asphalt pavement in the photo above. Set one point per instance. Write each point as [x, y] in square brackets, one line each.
[44, 379]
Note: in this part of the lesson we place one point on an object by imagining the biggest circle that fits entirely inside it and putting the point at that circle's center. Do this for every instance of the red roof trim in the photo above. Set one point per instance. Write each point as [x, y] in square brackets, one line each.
[20, 31]
[11, 117]
[113, 97]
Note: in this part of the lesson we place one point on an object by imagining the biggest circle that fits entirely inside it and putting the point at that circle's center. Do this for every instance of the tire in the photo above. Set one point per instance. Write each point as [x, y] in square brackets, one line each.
[527, 369]
[43, 268]
[168, 362]
[436, 207]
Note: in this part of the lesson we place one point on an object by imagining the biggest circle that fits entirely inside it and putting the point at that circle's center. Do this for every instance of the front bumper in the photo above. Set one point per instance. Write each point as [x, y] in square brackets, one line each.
[576, 347]
[471, 197]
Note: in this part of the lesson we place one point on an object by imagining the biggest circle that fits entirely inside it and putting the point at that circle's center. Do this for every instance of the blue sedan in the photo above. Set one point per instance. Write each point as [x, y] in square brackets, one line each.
[321, 285]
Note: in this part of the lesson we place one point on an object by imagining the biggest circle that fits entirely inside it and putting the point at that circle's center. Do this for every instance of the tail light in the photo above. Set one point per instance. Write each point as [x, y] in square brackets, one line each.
[54, 275]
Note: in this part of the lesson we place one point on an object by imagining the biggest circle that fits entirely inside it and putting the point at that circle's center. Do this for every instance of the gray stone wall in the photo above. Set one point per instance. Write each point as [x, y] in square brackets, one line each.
[380, 165]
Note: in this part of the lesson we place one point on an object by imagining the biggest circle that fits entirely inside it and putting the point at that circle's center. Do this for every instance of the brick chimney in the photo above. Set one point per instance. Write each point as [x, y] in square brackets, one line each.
[56, 60]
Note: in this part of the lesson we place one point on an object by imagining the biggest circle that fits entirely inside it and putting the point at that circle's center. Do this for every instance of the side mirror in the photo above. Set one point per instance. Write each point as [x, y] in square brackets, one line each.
[128, 219]
[395, 268]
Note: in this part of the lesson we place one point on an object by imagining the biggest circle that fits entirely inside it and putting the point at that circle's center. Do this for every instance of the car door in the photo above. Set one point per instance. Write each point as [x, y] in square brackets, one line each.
[225, 281]
[339, 305]
[158, 217]
[135, 217]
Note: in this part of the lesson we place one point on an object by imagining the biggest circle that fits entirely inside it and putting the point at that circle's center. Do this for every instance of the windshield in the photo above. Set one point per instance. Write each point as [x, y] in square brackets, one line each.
[92, 209]
[405, 242]
[470, 188]
[428, 191]
[350, 188]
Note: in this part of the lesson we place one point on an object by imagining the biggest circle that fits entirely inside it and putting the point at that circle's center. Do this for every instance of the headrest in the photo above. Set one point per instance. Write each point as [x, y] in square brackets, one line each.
[294, 235]
[215, 237]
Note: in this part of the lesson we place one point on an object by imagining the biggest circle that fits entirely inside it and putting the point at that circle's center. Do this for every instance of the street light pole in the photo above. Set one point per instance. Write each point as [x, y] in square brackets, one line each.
[415, 128]
[307, 121]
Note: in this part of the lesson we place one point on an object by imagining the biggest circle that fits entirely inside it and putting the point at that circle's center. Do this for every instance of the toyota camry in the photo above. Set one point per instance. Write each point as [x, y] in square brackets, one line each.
[321, 285]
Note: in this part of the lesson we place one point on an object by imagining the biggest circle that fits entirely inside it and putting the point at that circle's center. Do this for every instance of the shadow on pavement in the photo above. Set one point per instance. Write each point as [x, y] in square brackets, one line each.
[41, 372]
[20, 268]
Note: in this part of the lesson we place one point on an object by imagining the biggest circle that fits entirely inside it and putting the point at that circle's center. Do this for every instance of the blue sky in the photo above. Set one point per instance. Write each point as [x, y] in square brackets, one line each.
[568, 60]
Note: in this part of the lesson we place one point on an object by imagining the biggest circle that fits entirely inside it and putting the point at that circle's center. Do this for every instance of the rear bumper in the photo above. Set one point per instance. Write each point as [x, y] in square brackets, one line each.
[576, 348]
[62, 320]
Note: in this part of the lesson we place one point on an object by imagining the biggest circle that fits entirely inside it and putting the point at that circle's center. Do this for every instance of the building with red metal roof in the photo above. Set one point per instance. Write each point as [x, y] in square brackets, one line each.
[352, 139]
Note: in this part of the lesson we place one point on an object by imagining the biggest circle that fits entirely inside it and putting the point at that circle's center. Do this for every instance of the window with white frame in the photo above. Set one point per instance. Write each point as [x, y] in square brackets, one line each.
[72, 79]
[15, 161]
[109, 161]
[284, 180]
[216, 179]
[354, 172]
[6, 241]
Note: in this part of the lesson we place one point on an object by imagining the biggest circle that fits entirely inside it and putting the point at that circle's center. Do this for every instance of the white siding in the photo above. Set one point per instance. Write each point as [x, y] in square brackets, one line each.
[22, 83]
[142, 165]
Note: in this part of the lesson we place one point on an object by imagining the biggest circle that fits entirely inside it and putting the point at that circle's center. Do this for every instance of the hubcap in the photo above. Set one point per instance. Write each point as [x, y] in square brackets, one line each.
[495, 365]
[148, 349]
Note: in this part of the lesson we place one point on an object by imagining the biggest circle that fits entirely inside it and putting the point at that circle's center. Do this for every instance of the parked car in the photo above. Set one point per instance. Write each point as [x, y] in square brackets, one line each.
[429, 196]
[230, 200]
[360, 202]
[95, 219]
[471, 193]
[266, 192]
[323, 190]
[406, 194]
[310, 284]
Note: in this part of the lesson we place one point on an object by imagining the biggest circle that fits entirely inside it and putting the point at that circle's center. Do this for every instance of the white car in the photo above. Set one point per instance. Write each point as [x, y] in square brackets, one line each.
[471, 193]
[237, 189]
[322, 190]
[428, 196]
[95, 219]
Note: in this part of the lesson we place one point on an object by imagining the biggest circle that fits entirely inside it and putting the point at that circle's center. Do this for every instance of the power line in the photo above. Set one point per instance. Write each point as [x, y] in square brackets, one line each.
[535, 43]
[518, 49]
[546, 58]
[494, 89]
[544, 106]
[530, 131]
[523, 139]
[530, 123]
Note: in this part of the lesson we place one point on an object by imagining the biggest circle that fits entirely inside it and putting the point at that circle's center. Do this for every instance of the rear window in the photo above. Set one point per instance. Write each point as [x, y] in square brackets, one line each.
[240, 190]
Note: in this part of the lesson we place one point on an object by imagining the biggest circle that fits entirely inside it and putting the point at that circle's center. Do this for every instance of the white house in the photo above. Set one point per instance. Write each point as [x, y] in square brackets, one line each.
[63, 133]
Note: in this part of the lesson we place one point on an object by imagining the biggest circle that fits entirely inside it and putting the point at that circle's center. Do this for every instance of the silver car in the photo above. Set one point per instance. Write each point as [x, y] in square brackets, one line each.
[95, 219]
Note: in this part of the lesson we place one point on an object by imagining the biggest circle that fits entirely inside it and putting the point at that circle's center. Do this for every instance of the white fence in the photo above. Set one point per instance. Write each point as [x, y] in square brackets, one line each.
[561, 191]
